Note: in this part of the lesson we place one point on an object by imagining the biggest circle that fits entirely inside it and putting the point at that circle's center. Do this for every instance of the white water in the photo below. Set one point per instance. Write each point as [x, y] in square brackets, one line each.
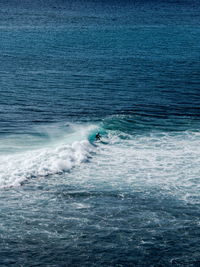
[163, 162]
[62, 152]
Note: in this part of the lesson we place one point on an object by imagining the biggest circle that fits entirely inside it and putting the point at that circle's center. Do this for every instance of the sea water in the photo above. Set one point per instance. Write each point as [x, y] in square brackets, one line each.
[130, 71]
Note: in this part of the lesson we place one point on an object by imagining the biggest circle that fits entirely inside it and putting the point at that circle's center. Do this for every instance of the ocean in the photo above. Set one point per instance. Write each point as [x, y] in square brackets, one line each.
[129, 70]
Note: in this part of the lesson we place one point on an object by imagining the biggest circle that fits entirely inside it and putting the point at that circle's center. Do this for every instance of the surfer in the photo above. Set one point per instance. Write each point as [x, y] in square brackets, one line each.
[98, 137]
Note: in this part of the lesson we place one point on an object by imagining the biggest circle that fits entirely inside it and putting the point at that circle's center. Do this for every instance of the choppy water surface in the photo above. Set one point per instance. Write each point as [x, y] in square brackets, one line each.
[129, 71]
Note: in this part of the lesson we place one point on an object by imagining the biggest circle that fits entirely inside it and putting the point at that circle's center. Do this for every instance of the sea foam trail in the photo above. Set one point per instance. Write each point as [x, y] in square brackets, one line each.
[167, 163]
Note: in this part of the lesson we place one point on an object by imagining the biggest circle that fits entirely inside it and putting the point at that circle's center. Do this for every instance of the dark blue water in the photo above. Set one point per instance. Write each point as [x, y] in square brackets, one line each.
[130, 71]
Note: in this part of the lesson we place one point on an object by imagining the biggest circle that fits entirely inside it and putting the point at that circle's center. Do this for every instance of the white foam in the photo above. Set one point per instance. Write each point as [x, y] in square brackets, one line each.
[166, 162]
[57, 157]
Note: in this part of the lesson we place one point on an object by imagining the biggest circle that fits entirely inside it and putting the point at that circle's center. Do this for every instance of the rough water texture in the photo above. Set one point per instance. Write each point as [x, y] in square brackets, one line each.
[130, 71]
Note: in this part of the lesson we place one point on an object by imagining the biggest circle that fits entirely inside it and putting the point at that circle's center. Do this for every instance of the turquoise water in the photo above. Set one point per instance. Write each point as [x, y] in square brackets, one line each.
[130, 71]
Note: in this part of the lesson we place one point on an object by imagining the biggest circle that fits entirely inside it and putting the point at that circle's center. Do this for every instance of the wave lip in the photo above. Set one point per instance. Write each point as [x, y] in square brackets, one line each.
[15, 169]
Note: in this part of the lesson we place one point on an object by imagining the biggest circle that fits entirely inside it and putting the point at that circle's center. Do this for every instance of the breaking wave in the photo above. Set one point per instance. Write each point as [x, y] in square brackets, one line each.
[58, 155]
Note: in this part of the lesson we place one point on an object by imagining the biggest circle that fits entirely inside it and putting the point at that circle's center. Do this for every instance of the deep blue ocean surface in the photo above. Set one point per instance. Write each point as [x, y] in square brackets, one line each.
[129, 70]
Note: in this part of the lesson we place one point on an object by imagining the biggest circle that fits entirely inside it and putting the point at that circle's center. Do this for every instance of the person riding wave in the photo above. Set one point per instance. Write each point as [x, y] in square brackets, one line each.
[98, 136]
